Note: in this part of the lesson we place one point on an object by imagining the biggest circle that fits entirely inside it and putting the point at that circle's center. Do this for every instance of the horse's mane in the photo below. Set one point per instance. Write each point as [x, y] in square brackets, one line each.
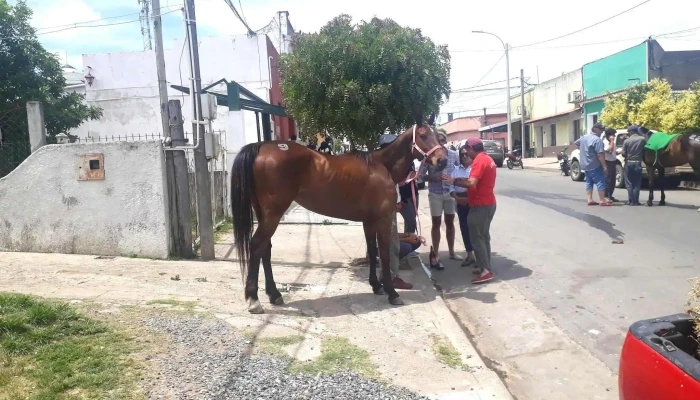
[365, 156]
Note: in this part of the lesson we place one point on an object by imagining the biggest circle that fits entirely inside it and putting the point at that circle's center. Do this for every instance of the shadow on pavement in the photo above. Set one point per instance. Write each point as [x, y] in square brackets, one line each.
[593, 221]
[455, 280]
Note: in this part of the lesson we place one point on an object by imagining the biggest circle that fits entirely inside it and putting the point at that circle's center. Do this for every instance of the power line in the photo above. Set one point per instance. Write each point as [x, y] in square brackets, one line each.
[235, 12]
[99, 19]
[79, 26]
[583, 29]
[483, 84]
[490, 69]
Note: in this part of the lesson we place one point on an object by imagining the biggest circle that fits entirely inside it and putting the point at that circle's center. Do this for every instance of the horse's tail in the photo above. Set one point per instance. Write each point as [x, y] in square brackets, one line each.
[242, 191]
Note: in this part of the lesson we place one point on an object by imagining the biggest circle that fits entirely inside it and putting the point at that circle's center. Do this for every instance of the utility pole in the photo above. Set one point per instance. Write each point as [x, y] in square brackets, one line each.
[145, 24]
[510, 133]
[485, 122]
[204, 209]
[522, 115]
[181, 213]
[160, 67]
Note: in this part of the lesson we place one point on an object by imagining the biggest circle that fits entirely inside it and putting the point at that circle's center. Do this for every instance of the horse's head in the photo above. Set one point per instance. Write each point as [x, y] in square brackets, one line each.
[427, 143]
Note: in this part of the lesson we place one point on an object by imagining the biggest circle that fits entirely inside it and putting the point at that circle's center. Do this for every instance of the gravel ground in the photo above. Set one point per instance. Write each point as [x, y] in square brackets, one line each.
[209, 360]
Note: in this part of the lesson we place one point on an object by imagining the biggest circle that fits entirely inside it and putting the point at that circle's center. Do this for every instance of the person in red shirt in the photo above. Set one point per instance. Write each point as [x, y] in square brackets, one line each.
[482, 205]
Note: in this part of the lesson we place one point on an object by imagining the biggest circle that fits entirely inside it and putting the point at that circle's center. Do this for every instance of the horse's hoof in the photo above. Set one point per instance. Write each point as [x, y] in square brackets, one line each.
[254, 307]
[396, 301]
[277, 302]
[649, 204]
[379, 292]
[662, 203]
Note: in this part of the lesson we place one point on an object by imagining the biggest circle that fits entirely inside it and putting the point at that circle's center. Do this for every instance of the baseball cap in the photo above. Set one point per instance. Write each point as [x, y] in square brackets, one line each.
[474, 141]
[599, 126]
[386, 139]
[633, 128]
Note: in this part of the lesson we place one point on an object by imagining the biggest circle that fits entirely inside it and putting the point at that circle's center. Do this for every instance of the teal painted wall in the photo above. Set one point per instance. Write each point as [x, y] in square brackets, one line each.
[614, 72]
[594, 107]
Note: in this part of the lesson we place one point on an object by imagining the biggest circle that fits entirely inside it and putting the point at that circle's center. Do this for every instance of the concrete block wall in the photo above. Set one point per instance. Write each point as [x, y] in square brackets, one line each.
[45, 208]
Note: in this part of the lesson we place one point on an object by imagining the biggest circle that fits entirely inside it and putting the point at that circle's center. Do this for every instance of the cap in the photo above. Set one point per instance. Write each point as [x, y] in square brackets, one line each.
[599, 126]
[386, 139]
[633, 128]
[473, 141]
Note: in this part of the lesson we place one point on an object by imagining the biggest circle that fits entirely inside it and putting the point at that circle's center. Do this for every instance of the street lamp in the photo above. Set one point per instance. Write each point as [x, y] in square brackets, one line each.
[505, 47]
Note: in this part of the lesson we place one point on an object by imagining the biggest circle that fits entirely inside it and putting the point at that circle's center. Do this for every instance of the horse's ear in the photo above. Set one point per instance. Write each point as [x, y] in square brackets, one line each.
[431, 119]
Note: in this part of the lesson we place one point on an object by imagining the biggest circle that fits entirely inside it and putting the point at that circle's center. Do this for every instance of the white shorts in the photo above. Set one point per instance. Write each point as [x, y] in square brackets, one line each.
[441, 203]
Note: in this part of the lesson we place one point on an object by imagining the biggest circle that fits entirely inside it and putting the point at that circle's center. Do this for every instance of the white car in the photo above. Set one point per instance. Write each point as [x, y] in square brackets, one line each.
[620, 137]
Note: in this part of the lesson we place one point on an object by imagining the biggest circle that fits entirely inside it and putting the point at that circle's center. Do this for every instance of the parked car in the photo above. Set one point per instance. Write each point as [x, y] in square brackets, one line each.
[620, 137]
[495, 150]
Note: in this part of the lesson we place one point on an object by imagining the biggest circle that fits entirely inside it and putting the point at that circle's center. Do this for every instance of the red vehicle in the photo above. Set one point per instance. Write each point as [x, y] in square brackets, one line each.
[659, 360]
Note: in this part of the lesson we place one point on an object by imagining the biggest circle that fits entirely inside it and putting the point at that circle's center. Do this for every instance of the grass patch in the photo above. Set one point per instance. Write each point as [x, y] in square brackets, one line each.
[48, 350]
[276, 345]
[222, 229]
[446, 353]
[338, 354]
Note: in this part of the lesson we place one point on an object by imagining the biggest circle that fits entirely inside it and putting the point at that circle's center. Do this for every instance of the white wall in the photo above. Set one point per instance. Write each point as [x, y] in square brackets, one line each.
[551, 97]
[45, 208]
[126, 84]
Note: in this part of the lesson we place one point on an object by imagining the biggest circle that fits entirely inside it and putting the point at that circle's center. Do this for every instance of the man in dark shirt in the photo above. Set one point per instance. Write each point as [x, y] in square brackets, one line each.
[633, 153]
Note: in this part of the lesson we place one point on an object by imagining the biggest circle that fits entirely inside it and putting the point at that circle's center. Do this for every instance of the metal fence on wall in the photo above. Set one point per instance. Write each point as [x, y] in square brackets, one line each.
[14, 139]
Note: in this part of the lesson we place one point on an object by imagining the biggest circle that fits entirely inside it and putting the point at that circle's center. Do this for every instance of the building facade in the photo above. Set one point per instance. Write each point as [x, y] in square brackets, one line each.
[462, 128]
[639, 64]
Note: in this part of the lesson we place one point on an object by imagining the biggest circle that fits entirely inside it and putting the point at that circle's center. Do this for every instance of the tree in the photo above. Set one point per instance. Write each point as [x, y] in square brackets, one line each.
[356, 81]
[30, 73]
[656, 107]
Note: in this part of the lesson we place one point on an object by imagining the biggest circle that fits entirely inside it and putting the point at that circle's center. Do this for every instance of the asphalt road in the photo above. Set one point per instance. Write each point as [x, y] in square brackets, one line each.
[558, 253]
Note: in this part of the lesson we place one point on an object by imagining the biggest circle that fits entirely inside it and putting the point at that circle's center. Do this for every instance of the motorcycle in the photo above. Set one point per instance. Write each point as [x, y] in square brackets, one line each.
[564, 165]
[514, 159]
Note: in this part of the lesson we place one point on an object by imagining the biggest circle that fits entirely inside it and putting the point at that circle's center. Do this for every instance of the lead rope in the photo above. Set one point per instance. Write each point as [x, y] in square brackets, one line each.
[411, 179]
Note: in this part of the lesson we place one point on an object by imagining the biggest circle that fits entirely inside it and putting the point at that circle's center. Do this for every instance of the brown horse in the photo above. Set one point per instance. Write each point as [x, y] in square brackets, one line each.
[684, 149]
[358, 186]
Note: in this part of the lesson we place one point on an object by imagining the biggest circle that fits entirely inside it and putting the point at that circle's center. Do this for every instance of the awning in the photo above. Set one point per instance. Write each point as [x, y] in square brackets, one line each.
[561, 114]
[602, 96]
[252, 103]
[498, 127]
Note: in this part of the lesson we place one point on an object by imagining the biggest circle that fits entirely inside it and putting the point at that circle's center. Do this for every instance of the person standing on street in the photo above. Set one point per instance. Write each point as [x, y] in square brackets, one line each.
[482, 205]
[441, 202]
[610, 162]
[633, 153]
[593, 164]
[460, 196]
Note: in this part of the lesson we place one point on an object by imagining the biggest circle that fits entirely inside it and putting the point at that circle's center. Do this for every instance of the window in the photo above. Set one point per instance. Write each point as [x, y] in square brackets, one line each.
[553, 135]
[620, 140]
[595, 119]
[577, 129]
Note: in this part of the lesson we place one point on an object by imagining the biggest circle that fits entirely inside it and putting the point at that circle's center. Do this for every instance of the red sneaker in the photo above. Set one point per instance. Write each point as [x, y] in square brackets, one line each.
[398, 283]
[483, 278]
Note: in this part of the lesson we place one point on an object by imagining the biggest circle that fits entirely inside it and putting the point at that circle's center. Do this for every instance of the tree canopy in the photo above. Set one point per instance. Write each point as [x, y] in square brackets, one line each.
[30, 73]
[656, 107]
[356, 81]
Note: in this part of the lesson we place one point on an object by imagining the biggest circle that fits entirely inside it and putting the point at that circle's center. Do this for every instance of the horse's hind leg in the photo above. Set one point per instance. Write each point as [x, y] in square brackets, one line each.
[270, 287]
[662, 183]
[259, 246]
[371, 237]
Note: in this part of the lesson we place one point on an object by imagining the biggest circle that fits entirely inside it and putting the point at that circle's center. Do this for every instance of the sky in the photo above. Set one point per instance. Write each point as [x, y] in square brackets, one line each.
[477, 59]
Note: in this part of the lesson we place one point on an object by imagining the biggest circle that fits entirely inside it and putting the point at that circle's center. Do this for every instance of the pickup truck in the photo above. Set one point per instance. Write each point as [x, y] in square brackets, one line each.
[577, 175]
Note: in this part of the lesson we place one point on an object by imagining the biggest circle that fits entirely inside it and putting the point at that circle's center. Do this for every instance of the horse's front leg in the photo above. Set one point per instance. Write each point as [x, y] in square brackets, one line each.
[384, 238]
[662, 183]
[371, 238]
[650, 178]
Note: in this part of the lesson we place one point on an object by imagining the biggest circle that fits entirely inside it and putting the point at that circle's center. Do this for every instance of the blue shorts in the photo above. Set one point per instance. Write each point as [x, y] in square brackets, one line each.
[596, 176]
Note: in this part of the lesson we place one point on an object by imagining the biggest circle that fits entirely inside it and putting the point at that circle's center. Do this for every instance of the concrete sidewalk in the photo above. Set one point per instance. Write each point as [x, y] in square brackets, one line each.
[542, 164]
[325, 289]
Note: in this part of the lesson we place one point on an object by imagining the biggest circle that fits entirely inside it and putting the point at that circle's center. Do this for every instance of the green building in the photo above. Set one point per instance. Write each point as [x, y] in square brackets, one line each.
[639, 64]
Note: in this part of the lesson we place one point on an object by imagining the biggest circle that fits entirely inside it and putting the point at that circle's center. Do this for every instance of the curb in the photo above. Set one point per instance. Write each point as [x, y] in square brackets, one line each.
[490, 385]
